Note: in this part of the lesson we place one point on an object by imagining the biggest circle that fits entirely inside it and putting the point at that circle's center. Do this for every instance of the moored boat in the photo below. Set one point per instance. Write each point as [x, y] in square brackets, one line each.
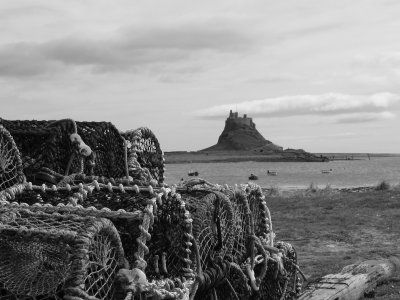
[326, 171]
[272, 173]
[193, 173]
[253, 177]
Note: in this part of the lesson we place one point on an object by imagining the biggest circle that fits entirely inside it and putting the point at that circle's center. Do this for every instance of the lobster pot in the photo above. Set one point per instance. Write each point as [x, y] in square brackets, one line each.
[145, 219]
[275, 285]
[55, 256]
[108, 147]
[11, 172]
[276, 282]
[144, 155]
[170, 247]
[41, 145]
[48, 144]
[225, 268]
[213, 232]
[124, 209]
[260, 213]
[236, 283]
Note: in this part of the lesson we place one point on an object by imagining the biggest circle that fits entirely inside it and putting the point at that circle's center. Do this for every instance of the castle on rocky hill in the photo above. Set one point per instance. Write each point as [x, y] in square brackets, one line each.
[240, 133]
[235, 119]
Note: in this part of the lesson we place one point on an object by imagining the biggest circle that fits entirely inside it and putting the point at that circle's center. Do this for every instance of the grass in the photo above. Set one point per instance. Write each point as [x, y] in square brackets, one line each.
[383, 186]
[312, 188]
[331, 229]
[274, 191]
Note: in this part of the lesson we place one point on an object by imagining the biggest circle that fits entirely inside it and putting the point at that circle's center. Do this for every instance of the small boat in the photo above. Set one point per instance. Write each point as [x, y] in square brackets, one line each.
[326, 171]
[272, 173]
[193, 173]
[253, 177]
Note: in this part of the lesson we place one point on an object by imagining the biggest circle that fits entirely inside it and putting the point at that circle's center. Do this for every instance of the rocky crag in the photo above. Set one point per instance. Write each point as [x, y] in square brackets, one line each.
[241, 141]
[240, 133]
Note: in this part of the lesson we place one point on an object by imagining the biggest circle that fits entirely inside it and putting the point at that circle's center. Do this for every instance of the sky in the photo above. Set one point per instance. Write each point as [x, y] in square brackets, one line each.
[320, 75]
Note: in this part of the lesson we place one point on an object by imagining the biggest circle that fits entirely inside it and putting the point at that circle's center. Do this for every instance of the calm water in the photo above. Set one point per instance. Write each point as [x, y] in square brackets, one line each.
[348, 173]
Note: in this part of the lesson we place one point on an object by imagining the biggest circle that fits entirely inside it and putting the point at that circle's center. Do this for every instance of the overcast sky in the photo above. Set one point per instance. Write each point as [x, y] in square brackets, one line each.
[319, 75]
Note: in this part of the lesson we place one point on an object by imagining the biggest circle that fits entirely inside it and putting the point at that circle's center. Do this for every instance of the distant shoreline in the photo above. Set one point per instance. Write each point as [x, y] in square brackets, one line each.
[175, 157]
[356, 189]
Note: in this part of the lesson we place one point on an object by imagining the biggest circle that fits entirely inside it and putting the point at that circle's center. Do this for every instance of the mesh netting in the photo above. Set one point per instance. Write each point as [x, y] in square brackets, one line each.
[251, 268]
[102, 267]
[41, 145]
[212, 225]
[281, 283]
[128, 228]
[10, 161]
[213, 232]
[108, 147]
[32, 268]
[127, 208]
[146, 151]
[169, 247]
[50, 256]
[242, 223]
[260, 213]
[48, 144]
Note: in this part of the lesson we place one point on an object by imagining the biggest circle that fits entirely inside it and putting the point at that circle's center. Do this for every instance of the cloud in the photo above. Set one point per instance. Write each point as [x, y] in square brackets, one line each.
[128, 50]
[17, 60]
[381, 68]
[331, 104]
[310, 30]
[365, 117]
[387, 59]
[28, 11]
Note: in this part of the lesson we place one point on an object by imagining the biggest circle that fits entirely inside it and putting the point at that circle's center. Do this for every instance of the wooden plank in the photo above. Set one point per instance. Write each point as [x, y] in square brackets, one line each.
[353, 281]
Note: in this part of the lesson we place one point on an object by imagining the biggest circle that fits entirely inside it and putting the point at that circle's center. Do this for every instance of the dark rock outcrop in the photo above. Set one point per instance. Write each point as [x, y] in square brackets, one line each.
[240, 133]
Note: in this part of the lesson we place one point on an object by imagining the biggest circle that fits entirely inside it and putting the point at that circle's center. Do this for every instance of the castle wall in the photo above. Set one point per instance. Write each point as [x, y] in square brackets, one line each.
[235, 119]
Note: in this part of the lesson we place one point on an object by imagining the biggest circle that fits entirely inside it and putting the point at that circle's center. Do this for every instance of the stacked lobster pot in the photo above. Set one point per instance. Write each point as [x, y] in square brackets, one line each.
[53, 150]
[87, 206]
[233, 236]
[57, 255]
[153, 225]
[160, 261]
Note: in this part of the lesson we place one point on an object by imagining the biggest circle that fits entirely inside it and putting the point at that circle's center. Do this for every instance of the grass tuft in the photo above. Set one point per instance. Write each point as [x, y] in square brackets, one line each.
[312, 188]
[328, 189]
[274, 191]
[383, 186]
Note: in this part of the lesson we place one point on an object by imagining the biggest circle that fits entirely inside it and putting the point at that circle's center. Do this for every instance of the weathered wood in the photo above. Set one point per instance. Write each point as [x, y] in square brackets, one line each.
[353, 281]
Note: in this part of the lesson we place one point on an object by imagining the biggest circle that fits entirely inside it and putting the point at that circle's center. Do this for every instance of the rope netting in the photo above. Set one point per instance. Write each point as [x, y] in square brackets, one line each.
[102, 203]
[108, 147]
[170, 246]
[30, 268]
[55, 256]
[212, 225]
[135, 211]
[252, 267]
[10, 161]
[102, 267]
[90, 171]
[283, 280]
[144, 154]
[67, 147]
[43, 145]
[260, 212]
[213, 232]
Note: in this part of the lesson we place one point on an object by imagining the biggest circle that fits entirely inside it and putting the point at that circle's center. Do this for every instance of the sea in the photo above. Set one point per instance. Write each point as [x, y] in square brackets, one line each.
[293, 175]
